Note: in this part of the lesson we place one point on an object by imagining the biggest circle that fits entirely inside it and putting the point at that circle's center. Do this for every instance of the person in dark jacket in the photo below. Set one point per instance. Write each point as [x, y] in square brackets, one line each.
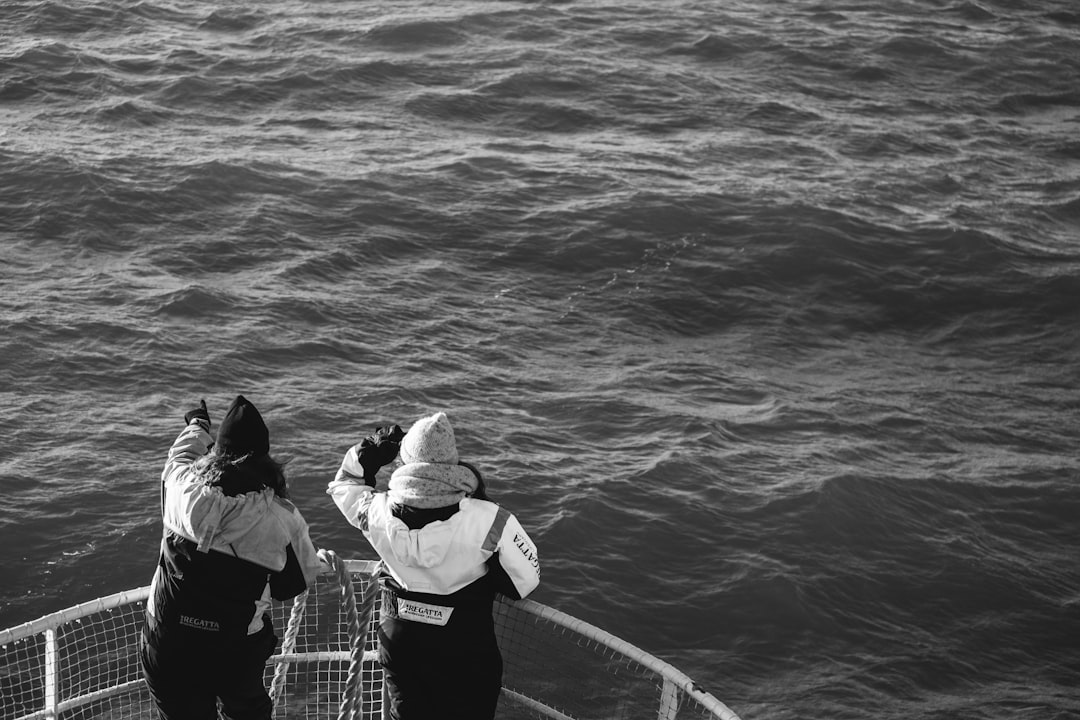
[232, 541]
[447, 550]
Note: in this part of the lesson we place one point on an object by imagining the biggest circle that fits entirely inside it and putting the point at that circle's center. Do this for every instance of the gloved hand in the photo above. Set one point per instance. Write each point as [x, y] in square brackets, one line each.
[378, 450]
[199, 414]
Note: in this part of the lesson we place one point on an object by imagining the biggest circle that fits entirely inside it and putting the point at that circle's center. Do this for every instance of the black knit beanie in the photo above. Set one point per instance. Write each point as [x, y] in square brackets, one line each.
[242, 431]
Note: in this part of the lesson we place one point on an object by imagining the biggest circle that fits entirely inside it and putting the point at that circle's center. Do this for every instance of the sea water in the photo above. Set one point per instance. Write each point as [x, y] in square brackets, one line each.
[763, 317]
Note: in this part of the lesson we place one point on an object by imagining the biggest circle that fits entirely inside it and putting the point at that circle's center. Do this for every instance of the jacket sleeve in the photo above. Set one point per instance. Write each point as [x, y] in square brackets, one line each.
[306, 554]
[302, 563]
[352, 497]
[517, 555]
[186, 508]
[190, 445]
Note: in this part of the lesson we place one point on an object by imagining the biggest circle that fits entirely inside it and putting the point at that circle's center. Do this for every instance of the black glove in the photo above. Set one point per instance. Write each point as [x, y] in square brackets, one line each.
[378, 450]
[200, 414]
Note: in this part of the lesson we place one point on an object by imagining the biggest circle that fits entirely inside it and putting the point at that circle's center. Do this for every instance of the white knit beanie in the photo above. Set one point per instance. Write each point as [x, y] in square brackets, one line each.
[430, 440]
[430, 476]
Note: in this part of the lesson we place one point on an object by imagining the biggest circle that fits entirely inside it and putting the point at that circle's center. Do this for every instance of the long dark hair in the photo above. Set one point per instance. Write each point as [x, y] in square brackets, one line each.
[239, 474]
[481, 489]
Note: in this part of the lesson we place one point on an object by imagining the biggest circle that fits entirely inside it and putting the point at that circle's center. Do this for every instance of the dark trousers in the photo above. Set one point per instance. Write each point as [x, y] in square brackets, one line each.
[431, 674]
[188, 670]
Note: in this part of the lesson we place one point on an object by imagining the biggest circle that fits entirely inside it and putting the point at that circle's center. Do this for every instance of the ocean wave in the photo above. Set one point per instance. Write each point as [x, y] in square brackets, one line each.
[232, 20]
[194, 302]
[480, 109]
[65, 18]
[1064, 17]
[1020, 103]
[129, 112]
[215, 182]
[717, 47]
[761, 319]
[413, 35]
[972, 11]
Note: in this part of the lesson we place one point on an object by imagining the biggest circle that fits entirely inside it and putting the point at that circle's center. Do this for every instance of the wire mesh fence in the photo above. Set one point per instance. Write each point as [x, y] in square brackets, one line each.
[82, 663]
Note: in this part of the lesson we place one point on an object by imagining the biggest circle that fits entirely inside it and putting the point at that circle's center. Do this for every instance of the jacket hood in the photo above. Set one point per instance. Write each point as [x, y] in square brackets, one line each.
[243, 514]
[426, 547]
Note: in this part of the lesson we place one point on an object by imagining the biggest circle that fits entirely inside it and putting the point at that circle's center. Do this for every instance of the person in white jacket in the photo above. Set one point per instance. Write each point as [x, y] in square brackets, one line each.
[447, 551]
[231, 542]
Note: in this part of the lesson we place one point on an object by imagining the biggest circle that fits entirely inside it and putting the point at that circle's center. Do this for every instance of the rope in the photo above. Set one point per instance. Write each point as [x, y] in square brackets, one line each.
[287, 646]
[357, 621]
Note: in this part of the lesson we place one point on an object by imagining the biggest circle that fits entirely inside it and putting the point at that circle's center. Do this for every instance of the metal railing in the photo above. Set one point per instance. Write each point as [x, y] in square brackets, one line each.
[83, 662]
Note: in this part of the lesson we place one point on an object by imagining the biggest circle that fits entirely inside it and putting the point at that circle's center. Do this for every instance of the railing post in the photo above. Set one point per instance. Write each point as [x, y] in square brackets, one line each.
[51, 672]
[669, 701]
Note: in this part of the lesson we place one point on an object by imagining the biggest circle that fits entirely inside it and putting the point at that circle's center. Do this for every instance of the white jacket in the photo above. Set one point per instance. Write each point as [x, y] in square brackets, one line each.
[443, 556]
[257, 527]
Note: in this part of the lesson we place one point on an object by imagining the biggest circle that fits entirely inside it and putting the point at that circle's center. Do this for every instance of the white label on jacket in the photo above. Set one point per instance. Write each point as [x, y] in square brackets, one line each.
[422, 612]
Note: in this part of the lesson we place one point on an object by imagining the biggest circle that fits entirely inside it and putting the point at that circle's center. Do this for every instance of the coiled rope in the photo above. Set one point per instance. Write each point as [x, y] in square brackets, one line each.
[357, 620]
[288, 645]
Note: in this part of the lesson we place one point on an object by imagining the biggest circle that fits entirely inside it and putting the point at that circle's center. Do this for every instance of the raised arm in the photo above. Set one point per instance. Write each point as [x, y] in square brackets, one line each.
[353, 486]
[189, 507]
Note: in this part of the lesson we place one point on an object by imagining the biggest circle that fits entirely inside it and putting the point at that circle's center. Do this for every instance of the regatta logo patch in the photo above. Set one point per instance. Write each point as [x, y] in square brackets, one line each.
[199, 623]
[528, 551]
[422, 612]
